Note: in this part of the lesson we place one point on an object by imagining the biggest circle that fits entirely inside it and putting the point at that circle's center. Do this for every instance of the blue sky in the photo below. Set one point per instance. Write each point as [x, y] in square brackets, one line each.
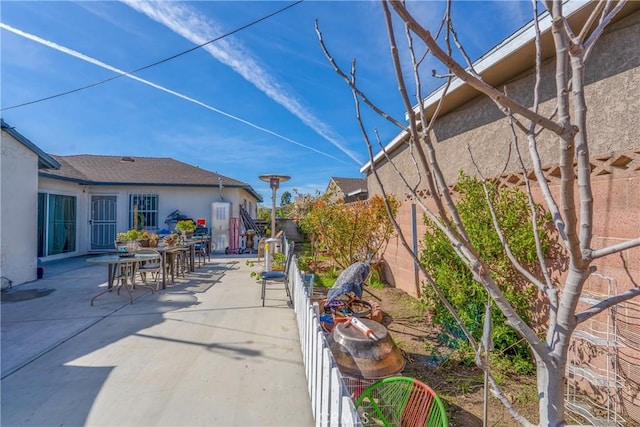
[263, 100]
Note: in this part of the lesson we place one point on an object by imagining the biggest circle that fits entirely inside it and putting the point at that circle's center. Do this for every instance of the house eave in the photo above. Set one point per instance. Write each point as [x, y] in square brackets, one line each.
[508, 59]
[147, 184]
[44, 160]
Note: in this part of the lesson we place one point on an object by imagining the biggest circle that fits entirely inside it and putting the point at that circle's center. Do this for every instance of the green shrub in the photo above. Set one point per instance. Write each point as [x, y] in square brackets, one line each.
[456, 281]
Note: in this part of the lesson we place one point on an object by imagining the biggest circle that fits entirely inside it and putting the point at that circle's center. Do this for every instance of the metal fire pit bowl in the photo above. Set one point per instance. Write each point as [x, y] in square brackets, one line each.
[361, 357]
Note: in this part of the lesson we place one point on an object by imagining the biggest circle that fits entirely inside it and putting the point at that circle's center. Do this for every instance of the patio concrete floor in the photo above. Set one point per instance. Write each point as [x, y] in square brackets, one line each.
[202, 352]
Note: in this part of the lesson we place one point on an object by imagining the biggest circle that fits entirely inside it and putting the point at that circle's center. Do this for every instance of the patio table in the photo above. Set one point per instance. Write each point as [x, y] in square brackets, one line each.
[126, 267]
[163, 257]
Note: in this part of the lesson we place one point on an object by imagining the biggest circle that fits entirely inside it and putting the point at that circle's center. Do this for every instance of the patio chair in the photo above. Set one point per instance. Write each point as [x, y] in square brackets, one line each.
[202, 251]
[278, 276]
[401, 401]
[152, 267]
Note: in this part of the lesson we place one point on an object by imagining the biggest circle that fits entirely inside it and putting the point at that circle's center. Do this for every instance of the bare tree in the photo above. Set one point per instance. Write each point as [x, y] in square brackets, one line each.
[572, 214]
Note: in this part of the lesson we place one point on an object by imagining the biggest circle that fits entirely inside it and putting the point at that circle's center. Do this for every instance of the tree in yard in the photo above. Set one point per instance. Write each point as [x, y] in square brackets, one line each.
[264, 214]
[350, 232]
[571, 211]
[285, 199]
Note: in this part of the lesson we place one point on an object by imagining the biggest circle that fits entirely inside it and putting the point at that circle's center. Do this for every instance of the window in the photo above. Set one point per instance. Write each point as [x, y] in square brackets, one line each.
[57, 216]
[221, 212]
[143, 211]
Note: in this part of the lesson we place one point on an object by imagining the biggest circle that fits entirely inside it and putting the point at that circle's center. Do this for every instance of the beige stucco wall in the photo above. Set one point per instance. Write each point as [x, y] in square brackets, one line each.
[18, 210]
[613, 99]
[612, 91]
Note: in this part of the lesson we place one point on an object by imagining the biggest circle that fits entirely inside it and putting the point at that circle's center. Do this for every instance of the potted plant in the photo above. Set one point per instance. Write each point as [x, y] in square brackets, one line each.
[153, 240]
[128, 236]
[143, 238]
[127, 242]
[186, 227]
[170, 240]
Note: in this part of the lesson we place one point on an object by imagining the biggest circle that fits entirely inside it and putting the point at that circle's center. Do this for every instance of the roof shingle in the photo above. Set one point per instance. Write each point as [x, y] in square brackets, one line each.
[119, 170]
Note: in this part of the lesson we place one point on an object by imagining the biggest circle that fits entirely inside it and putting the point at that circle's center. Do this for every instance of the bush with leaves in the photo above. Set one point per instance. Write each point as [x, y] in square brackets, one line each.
[349, 232]
[455, 280]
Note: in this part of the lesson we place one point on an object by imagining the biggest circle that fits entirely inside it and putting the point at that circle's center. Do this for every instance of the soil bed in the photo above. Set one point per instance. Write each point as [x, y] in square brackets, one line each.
[460, 386]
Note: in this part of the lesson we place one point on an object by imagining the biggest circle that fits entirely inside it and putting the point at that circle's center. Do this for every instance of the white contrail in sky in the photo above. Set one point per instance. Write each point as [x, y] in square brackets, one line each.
[198, 29]
[154, 85]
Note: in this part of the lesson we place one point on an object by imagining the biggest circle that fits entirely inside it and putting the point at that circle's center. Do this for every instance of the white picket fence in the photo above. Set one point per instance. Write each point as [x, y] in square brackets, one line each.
[330, 399]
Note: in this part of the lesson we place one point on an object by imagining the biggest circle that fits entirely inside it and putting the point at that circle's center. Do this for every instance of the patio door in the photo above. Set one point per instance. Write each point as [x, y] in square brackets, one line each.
[103, 222]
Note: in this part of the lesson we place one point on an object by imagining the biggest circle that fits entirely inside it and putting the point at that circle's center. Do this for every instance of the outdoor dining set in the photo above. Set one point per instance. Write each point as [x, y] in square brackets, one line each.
[158, 264]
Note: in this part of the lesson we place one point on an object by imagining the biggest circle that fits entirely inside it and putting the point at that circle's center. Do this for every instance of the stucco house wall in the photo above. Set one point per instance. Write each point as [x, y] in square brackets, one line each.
[612, 94]
[193, 202]
[18, 210]
[613, 79]
[46, 201]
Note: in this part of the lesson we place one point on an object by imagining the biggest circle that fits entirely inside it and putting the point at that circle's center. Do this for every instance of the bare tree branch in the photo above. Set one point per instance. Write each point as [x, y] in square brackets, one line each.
[595, 13]
[499, 394]
[415, 134]
[403, 240]
[609, 302]
[346, 79]
[618, 247]
[473, 81]
[544, 186]
[567, 174]
[503, 240]
[572, 216]
[595, 35]
[549, 289]
[536, 87]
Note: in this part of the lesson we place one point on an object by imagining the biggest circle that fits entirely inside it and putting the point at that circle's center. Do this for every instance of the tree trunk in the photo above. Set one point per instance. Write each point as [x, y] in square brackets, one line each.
[550, 393]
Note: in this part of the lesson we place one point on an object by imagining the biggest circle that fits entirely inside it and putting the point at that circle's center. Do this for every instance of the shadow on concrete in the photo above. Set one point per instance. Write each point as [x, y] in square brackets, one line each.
[35, 327]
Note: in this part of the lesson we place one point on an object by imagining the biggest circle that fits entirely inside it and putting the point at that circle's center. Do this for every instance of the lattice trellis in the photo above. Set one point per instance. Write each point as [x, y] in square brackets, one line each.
[617, 164]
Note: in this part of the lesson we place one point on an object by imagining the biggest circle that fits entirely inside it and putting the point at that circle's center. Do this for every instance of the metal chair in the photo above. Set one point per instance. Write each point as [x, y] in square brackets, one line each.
[278, 276]
[202, 250]
[153, 267]
[401, 401]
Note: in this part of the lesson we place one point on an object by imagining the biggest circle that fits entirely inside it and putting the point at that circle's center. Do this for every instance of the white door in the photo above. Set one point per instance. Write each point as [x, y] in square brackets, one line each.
[103, 222]
[220, 213]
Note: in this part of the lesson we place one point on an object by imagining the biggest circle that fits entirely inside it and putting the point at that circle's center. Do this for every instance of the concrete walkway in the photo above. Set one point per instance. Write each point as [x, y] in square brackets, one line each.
[202, 352]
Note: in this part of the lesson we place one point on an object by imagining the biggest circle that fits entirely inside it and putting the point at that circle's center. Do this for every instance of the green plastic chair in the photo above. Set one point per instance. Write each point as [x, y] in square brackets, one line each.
[401, 401]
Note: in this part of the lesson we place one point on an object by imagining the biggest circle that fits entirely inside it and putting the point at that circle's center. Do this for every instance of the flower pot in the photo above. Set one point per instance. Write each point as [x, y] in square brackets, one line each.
[126, 248]
[144, 243]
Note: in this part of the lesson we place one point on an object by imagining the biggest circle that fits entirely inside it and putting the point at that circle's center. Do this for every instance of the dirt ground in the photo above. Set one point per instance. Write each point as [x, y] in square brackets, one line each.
[460, 386]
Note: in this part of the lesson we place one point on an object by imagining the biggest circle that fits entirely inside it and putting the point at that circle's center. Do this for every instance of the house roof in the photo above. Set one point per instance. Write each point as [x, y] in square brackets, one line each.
[152, 171]
[511, 57]
[44, 160]
[350, 186]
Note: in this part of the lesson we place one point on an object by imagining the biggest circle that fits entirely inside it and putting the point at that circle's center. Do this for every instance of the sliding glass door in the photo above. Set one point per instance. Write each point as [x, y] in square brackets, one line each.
[57, 222]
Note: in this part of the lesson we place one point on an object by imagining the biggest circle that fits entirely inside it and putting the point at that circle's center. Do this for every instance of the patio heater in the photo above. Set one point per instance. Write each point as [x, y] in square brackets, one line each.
[274, 182]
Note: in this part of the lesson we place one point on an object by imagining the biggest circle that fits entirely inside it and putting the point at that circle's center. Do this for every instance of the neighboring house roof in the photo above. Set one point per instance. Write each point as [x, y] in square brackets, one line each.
[508, 59]
[44, 160]
[349, 186]
[153, 171]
